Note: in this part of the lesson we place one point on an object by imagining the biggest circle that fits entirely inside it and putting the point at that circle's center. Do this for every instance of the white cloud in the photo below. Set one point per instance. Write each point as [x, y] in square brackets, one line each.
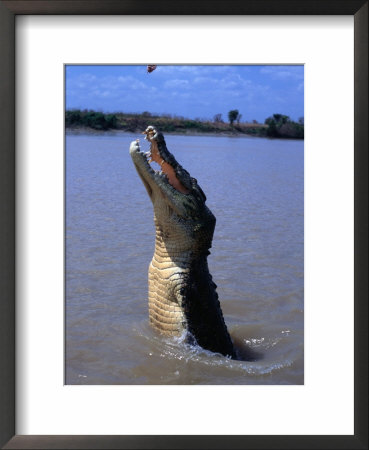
[127, 82]
[87, 77]
[204, 80]
[177, 83]
[284, 72]
[192, 70]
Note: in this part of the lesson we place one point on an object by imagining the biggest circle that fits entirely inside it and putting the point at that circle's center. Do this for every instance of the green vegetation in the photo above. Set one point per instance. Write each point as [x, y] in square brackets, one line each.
[232, 115]
[282, 126]
[91, 119]
[275, 126]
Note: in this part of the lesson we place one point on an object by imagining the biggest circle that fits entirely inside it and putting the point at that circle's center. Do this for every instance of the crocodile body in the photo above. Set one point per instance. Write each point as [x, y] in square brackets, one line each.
[182, 294]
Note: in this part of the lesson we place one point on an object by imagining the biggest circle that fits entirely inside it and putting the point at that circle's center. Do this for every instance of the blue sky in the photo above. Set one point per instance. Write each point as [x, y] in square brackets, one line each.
[189, 91]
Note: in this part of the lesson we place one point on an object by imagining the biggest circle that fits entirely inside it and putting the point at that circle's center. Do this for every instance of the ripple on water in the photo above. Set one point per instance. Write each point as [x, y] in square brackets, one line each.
[183, 363]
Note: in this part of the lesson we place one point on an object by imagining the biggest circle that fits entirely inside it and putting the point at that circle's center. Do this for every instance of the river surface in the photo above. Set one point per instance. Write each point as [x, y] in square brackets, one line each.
[254, 187]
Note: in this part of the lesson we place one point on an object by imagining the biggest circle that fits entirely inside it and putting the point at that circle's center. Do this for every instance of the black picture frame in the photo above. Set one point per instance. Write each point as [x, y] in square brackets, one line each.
[8, 11]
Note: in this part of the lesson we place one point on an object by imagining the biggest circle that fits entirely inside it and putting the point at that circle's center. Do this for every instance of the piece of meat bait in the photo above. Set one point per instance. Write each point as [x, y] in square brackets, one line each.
[151, 68]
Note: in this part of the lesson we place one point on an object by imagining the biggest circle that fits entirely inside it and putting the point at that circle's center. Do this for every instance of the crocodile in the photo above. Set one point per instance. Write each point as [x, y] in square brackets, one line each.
[182, 295]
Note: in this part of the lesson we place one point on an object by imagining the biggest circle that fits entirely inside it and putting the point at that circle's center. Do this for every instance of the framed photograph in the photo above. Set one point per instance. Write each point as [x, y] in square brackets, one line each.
[176, 339]
[58, 226]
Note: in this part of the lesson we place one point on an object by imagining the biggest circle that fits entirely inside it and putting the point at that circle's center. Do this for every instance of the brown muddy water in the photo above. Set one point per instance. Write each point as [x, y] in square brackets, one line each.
[254, 187]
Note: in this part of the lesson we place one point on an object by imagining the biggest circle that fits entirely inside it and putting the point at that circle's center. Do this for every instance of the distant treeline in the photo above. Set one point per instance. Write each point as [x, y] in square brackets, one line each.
[282, 126]
[91, 119]
[277, 125]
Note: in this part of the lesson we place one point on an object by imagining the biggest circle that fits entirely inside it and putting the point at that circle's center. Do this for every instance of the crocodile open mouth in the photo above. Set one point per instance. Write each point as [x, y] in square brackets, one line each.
[150, 134]
[167, 171]
[149, 160]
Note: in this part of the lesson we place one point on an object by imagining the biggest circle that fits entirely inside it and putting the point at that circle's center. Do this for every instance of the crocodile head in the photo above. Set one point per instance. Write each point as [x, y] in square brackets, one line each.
[178, 200]
[159, 150]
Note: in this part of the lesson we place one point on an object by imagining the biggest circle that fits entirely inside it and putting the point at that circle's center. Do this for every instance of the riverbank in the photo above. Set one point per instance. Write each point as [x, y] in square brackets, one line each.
[81, 130]
[277, 126]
